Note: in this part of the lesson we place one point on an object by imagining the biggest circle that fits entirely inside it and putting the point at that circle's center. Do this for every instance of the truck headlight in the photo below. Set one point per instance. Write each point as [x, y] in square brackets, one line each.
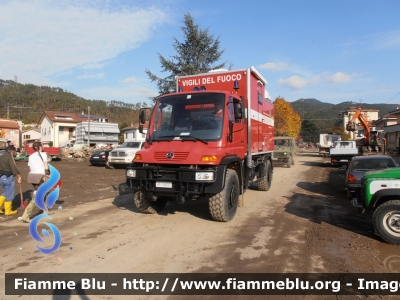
[285, 153]
[131, 173]
[204, 175]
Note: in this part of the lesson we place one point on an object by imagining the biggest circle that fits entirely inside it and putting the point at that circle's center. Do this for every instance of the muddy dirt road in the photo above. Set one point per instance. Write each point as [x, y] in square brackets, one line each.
[303, 224]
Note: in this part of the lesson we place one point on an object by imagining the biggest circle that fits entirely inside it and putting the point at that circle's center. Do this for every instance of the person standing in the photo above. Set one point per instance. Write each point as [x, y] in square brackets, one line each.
[8, 170]
[37, 175]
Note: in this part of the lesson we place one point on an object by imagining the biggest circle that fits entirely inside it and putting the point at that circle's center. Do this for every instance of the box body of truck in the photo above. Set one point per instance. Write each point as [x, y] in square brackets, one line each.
[214, 137]
[326, 141]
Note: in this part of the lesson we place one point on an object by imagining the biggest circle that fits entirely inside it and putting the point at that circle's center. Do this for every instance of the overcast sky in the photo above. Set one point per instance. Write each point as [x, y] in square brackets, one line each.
[333, 51]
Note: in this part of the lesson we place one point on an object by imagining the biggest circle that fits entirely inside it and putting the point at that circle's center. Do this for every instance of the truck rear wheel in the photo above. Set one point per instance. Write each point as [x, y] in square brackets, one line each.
[223, 205]
[386, 221]
[147, 206]
[264, 183]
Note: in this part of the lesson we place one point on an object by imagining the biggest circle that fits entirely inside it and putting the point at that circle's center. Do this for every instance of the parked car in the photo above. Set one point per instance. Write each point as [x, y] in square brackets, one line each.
[99, 157]
[361, 164]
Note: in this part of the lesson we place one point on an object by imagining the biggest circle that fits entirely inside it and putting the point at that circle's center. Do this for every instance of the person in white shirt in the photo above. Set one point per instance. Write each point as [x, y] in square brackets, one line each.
[38, 165]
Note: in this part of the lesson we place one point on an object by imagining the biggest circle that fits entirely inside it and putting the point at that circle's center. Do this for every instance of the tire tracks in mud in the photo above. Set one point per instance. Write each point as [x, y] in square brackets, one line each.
[305, 225]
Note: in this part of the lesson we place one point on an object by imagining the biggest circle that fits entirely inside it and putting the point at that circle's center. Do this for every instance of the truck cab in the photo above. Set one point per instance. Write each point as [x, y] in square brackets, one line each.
[284, 150]
[380, 195]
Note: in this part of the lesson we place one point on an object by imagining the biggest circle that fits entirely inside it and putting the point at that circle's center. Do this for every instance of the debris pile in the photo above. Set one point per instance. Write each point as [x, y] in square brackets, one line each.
[82, 151]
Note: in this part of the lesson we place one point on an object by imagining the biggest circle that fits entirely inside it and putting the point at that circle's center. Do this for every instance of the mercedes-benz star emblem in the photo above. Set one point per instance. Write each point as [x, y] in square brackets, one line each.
[170, 155]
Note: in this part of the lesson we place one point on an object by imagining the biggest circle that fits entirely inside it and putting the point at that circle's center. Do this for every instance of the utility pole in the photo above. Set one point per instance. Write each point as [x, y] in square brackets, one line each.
[88, 126]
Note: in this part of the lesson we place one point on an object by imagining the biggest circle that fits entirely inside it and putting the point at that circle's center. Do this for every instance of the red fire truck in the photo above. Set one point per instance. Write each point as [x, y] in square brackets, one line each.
[213, 138]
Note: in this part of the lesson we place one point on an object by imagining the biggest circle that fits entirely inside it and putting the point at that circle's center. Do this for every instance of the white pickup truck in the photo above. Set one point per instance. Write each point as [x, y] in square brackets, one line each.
[124, 154]
[342, 152]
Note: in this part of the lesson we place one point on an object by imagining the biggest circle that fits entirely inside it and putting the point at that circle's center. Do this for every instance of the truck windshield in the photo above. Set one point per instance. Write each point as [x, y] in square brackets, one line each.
[198, 115]
[129, 145]
[282, 142]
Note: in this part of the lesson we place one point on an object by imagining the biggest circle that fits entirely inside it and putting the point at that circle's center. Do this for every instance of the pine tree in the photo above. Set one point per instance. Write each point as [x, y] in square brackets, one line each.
[198, 53]
[309, 131]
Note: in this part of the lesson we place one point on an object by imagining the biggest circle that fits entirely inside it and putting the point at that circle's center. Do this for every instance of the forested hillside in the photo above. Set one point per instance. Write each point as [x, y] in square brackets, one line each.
[327, 115]
[28, 101]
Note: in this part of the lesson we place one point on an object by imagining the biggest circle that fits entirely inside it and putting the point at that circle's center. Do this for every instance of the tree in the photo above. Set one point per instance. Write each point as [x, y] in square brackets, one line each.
[286, 120]
[309, 131]
[198, 53]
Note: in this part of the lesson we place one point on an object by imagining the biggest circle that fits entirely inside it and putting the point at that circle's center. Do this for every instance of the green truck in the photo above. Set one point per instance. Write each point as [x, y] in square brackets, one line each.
[380, 194]
[284, 151]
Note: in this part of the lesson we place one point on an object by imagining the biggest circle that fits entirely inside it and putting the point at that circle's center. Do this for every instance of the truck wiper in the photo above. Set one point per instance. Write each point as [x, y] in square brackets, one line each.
[166, 138]
[179, 138]
[193, 139]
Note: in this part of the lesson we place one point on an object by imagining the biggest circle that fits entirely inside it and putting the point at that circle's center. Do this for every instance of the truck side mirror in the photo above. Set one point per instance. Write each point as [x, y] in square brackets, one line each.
[142, 117]
[237, 108]
[141, 128]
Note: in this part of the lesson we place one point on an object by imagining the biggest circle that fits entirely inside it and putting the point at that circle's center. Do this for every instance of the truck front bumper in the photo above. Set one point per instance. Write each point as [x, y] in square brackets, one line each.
[179, 182]
[121, 160]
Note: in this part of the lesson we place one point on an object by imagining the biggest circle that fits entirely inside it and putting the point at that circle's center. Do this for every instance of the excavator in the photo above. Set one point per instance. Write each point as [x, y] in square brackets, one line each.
[372, 138]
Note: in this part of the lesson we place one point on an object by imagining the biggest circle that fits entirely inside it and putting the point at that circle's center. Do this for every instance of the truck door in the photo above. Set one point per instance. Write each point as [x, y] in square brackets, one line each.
[238, 124]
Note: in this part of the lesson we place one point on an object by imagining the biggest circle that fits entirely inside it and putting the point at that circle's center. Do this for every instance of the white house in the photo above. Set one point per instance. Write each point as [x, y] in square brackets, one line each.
[101, 132]
[59, 127]
[30, 135]
[132, 134]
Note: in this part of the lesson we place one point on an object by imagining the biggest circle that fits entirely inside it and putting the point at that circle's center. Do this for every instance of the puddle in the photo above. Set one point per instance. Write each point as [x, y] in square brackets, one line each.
[390, 257]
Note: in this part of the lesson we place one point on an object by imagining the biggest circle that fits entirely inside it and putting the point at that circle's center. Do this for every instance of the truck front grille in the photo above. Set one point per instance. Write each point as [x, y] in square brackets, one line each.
[177, 156]
[119, 154]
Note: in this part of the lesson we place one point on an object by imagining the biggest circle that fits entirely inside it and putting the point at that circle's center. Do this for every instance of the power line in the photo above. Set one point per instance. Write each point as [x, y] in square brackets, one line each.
[389, 100]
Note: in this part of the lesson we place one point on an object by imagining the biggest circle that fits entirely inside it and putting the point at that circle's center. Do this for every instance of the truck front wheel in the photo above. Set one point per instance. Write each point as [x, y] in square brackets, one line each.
[147, 206]
[386, 221]
[223, 205]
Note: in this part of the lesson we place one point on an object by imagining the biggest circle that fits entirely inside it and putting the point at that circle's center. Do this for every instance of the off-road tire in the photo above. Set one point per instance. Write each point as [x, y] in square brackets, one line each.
[386, 221]
[223, 205]
[292, 160]
[264, 184]
[146, 206]
[289, 163]
[349, 195]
